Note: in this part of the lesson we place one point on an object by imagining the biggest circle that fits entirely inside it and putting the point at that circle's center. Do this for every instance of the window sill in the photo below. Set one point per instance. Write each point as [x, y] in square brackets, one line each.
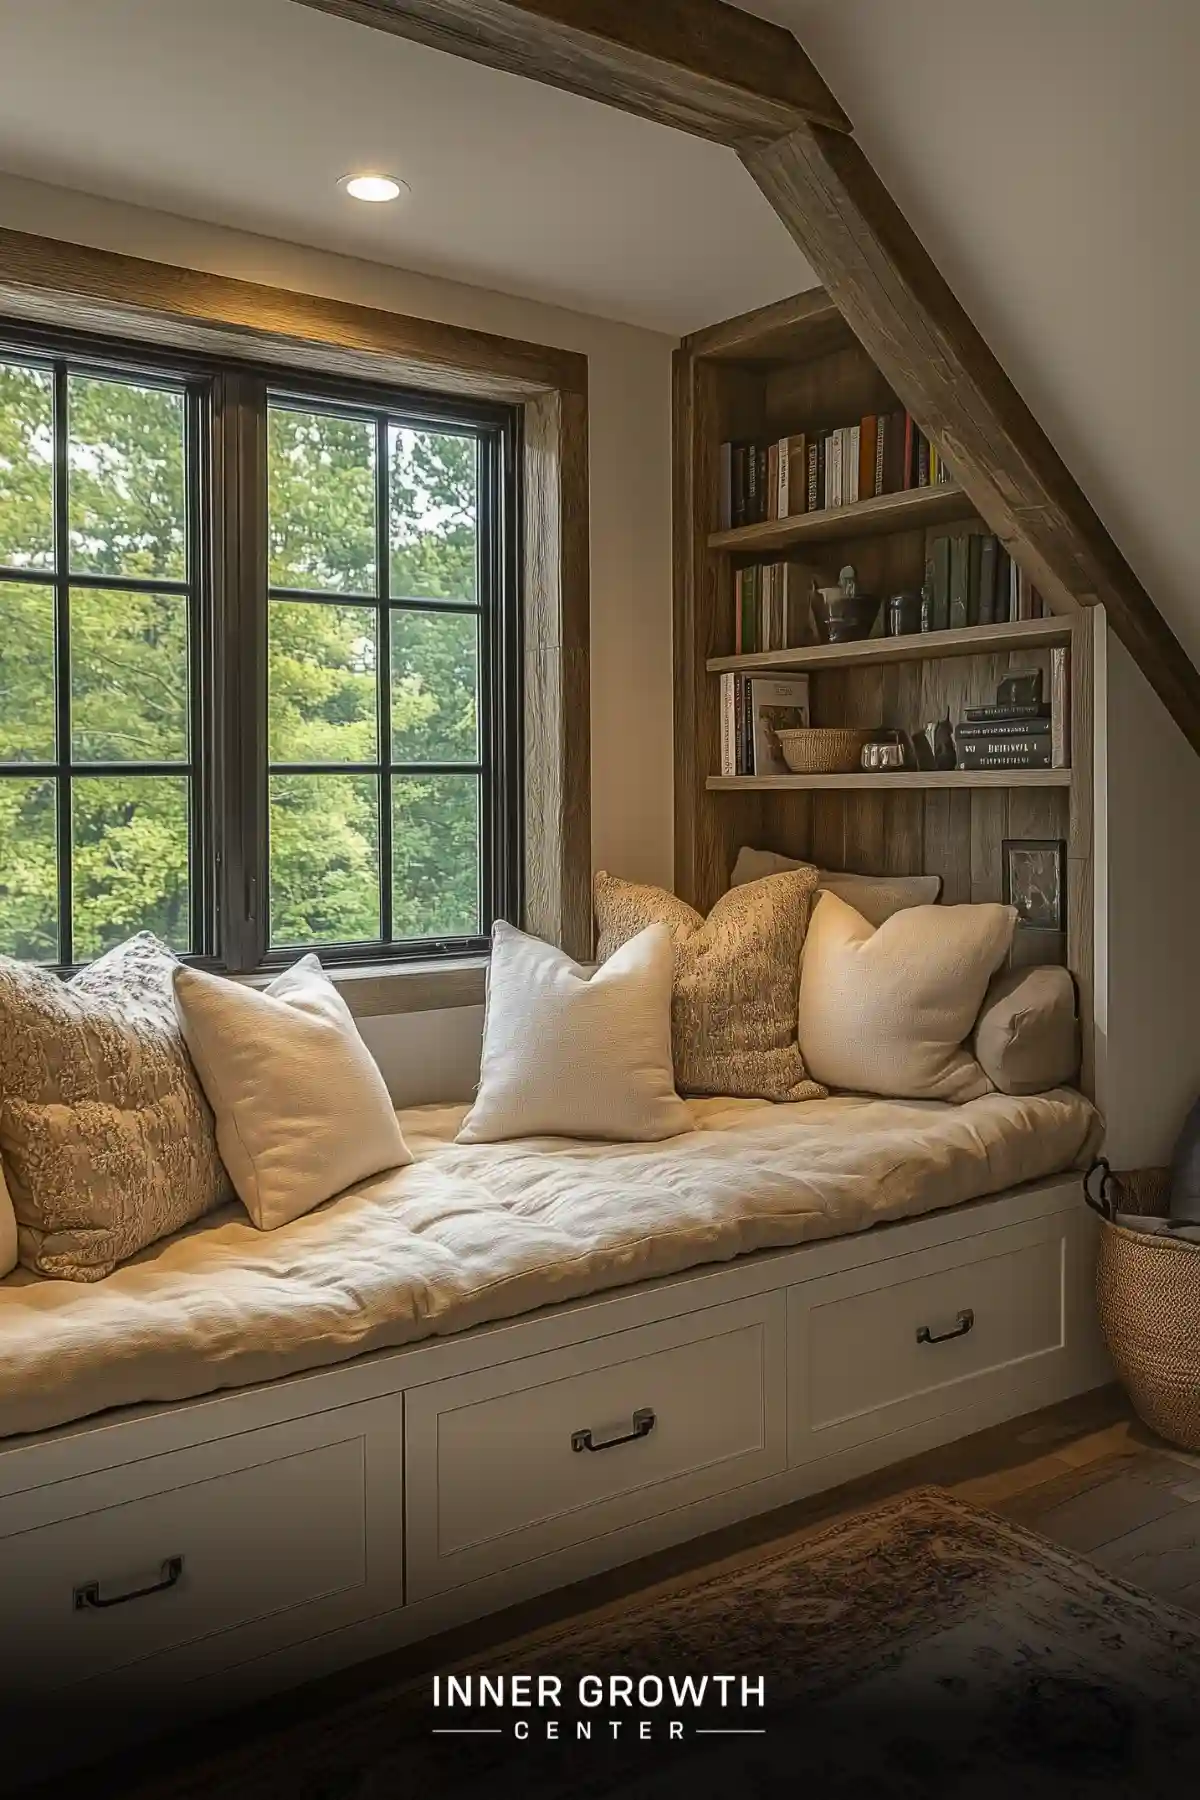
[376, 989]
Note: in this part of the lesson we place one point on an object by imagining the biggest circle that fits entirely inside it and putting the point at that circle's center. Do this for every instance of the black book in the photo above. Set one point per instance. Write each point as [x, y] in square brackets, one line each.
[960, 583]
[978, 715]
[988, 547]
[1021, 728]
[1005, 753]
[752, 495]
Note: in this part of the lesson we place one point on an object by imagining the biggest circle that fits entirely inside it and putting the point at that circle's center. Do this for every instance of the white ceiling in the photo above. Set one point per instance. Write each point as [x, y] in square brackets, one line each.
[245, 113]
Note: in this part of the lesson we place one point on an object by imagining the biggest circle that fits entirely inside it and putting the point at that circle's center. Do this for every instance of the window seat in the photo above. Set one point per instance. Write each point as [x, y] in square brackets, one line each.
[469, 1235]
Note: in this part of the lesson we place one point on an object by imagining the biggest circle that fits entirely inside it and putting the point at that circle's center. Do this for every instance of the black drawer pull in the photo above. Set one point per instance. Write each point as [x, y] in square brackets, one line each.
[88, 1597]
[643, 1425]
[962, 1325]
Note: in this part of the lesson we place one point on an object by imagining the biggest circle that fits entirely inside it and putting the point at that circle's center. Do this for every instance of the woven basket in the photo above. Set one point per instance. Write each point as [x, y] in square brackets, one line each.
[821, 750]
[1148, 1296]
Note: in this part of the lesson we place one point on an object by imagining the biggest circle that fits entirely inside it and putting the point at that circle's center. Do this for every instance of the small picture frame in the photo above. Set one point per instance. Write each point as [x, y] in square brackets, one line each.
[1035, 881]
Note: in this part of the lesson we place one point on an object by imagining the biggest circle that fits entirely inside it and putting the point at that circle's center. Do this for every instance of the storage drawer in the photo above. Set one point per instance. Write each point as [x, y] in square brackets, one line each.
[876, 1350]
[508, 1464]
[217, 1554]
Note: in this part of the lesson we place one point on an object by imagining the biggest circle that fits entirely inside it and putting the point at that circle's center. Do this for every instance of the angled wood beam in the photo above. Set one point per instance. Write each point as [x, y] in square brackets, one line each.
[698, 65]
[902, 310]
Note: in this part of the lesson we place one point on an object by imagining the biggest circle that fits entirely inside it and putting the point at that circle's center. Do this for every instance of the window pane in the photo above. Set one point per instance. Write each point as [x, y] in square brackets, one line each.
[321, 501]
[322, 677]
[128, 507]
[129, 868]
[28, 869]
[129, 676]
[434, 506]
[26, 673]
[435, 856]
[324, 859]
[435, 687]
[26, 467]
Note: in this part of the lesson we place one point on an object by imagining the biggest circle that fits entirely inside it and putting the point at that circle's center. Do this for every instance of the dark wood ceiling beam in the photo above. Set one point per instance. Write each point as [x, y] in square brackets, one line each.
[902, 310]
[697, 65]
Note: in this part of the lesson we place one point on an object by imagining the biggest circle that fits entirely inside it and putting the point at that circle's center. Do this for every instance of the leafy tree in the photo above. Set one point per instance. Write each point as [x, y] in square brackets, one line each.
[129, 674]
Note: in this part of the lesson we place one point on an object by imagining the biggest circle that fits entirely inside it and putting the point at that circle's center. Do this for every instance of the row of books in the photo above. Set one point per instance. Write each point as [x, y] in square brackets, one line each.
[1020, 737]
[772, 607]
[884, 453]
[753, 709]
[970, 579]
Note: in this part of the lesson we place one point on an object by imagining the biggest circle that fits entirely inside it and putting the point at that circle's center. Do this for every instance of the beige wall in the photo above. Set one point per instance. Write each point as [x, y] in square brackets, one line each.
[629, 373]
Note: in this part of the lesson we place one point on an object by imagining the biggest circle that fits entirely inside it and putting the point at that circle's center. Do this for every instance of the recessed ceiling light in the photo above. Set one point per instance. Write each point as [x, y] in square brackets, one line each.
[373, 187]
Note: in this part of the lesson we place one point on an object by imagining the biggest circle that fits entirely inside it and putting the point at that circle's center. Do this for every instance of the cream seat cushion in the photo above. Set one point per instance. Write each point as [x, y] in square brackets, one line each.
[302, 1110]
[107, 1139]
[736, 980]
[888, 1010]
[566, 1054]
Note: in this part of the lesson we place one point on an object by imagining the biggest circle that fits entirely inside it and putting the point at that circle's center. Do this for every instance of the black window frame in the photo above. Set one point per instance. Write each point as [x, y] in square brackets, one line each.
[228, 591]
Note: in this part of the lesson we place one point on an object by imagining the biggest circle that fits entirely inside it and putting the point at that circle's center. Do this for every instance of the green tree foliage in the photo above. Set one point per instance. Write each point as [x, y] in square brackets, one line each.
[129, 675]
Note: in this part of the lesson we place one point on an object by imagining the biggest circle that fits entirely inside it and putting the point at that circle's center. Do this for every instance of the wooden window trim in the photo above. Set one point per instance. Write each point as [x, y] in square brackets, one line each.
[75, 287]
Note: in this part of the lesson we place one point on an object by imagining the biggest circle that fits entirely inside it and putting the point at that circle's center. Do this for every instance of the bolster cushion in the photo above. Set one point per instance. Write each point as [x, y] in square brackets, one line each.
[1027, 1034]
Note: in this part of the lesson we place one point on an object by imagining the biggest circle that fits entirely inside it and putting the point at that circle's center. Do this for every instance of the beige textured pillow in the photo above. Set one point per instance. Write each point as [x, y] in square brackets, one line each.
[302, 1110]
[876, 897]
[733, 1012]
[888, 1011]
[568, 1055]
[108, 1144]
[1027, 1034]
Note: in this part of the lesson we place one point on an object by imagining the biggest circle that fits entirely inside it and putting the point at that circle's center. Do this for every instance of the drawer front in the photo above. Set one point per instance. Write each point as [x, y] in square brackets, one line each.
[877, 1350]
[207, 1569]
[514, 1463]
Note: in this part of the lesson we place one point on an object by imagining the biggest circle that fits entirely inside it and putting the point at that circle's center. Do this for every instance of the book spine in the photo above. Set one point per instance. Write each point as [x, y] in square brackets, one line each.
[851, 458]
[813, 476]
[974, 576]
[739, 623]
[941, 584]
[988, 547]
[782, 457]
[797, 478]
[881, 431]
[739, 485]
[1009, 728]
[727, 704]
[752, 513]
[1060, 709]
[771, 488]
[959, 578]
[910, 464]
[867, 456]
[725, 488]
[747, 728]
[981, 715]
[922, 460]
[1002, 753]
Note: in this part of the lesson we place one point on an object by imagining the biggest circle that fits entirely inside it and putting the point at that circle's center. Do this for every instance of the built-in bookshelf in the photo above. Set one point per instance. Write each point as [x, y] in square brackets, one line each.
[795, 372]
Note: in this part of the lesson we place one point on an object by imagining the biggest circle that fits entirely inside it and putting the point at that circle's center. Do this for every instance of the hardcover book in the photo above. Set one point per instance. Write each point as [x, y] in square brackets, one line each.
[774, 704]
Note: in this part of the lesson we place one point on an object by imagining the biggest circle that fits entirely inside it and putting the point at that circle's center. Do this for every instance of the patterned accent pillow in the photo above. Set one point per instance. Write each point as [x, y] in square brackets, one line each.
[737, 980]
[107, 1139]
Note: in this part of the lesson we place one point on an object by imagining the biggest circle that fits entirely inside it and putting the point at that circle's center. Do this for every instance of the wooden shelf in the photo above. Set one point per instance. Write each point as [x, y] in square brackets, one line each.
[976, 640]
[908, 511]
[891, 778]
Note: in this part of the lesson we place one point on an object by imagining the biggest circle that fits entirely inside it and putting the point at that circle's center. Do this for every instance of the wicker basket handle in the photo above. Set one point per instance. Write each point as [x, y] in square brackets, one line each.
[1097, 1189]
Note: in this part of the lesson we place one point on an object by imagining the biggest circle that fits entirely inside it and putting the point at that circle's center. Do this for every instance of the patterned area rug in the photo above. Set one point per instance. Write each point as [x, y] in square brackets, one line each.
[919, 1649]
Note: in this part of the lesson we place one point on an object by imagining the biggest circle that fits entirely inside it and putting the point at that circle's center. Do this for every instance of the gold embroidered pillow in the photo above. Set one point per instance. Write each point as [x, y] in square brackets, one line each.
[107, 1140]
[737, 980]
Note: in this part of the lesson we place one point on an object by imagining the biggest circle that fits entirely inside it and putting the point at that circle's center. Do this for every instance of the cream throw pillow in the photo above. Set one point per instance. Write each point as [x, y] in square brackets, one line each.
[107, 1139]
[566, 1054]
[301, 1107]
[8, 1230]
[736, 980]
[888, 1011]
[876, 897]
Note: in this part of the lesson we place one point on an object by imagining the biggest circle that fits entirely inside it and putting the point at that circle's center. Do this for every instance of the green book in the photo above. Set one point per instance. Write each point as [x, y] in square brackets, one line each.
[939, 553]
[988, 547]
[960, 582]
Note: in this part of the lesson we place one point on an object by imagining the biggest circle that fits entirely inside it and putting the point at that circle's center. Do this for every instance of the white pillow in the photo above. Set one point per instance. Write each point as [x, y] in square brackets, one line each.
[300, 1105]
[566, 1054]
[8, 1229]
[876, 897]
[888, 1011]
